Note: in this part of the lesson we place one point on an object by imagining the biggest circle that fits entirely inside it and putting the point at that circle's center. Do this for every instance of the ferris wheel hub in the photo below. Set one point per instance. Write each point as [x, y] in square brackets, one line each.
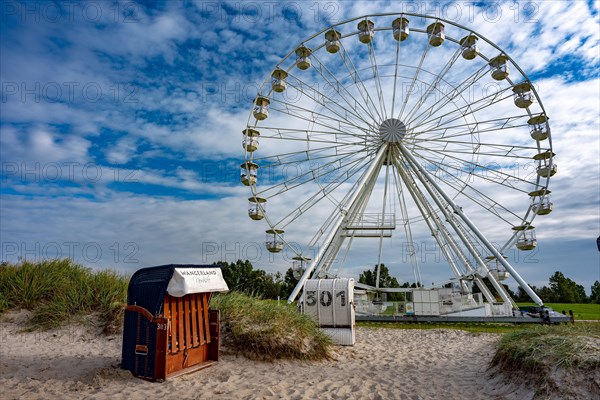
[392, 130]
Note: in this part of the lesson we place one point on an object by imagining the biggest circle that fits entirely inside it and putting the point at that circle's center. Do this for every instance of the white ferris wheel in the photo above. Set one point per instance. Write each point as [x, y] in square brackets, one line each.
[371, 132]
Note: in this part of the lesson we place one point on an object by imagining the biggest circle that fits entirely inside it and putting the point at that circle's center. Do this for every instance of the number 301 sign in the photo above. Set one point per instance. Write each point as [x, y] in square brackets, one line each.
[330, 301]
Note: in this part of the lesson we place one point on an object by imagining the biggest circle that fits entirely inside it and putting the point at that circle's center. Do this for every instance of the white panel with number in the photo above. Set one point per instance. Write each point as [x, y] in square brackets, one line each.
[330, 302]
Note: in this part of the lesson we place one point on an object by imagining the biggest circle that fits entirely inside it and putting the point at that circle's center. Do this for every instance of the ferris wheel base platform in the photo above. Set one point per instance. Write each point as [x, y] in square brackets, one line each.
[458, 319]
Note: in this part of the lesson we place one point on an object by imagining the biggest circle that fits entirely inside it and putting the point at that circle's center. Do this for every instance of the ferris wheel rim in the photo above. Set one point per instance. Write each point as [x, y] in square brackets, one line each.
[417, 15]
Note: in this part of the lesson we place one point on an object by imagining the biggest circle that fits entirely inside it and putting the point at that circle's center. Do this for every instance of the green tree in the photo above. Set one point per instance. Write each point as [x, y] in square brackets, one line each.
[289, 282]
[242, 277]
[369, 277]
[565, 290]
[522, 295]
[595, 296]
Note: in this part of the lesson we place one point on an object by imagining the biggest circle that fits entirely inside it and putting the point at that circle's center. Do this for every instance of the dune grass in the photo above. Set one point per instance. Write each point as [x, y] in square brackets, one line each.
[264, 330]
[58, 291]
[537, 353]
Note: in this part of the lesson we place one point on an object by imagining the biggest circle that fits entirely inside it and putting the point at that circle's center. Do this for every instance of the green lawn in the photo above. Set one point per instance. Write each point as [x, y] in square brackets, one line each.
[473, 327]
[581, 311]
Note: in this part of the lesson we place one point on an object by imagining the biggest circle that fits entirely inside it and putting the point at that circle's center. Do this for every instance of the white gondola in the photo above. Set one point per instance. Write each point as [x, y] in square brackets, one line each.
[261, 108]
[249, 173]
[525, 237]
[500, 69]
[436, 34]
[538, 127]
[250, 142]
[299, 265]
[332, 41]
[274, 241]
[278, 80]
[366, 31]
[496, 268]
[256, 208]
[540, 202]
[523, 95]
[469, 47]
[303, 57]
[401, 30]
[546, 168]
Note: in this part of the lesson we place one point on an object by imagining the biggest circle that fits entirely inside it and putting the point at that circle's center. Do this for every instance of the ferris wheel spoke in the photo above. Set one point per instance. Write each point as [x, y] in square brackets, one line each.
[303, 155]
[395, 76]
[323, 193]
[342, 91]
[407, 225]
[355, 76]
[314, 173]
[467, 110]
[334, 136]
[383, 211]
[484, 172]
[502, 150]
[414, 80]
[377, 79]
[478, 127]
[439, 78]
[310, 176]
[449, 97]
[486, 202]
[313, 139]
[348, 112]
[281, 132]
[294, 111]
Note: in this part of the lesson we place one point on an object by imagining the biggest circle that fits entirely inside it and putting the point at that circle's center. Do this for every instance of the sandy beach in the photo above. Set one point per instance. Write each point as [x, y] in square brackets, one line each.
[79, 363]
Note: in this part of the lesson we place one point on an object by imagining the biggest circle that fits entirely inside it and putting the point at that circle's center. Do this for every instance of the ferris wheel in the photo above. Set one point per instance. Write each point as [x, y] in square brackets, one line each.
[370, 131]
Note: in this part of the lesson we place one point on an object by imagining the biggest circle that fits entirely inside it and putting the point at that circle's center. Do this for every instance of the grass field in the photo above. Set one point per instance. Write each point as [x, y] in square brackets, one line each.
[469, 327]
[580, 311]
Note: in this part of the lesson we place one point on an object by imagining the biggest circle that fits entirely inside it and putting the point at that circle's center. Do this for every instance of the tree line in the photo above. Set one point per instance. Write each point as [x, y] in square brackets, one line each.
[241, 276]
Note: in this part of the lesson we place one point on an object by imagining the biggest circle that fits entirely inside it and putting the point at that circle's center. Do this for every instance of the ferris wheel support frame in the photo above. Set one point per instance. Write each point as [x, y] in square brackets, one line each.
[476, 231]
[435, 192]
[442, 236]
[335, 238]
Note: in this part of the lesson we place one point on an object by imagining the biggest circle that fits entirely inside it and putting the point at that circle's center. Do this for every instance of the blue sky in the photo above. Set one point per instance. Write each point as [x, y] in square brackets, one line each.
[121, 124]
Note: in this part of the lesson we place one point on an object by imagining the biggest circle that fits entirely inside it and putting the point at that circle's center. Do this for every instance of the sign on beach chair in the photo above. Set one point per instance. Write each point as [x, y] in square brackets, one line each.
[330, 302]
[169, 328]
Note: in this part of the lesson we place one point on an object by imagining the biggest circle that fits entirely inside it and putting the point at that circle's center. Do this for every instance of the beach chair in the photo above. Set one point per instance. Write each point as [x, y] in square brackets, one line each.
[169, 328]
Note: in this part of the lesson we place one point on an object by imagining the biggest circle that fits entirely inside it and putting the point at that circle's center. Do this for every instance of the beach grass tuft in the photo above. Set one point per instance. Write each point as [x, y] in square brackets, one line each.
[59, 291]
[543, 352]
[266, 330]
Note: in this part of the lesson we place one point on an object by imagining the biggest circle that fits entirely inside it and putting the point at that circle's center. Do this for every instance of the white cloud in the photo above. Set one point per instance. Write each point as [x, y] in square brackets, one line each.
[42, 144]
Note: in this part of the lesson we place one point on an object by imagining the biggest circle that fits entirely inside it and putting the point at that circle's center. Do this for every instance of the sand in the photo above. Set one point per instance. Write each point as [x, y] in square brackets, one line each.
[79, 363]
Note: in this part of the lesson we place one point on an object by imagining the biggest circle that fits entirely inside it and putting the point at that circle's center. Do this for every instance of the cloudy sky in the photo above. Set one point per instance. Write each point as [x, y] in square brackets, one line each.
[121, 127]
